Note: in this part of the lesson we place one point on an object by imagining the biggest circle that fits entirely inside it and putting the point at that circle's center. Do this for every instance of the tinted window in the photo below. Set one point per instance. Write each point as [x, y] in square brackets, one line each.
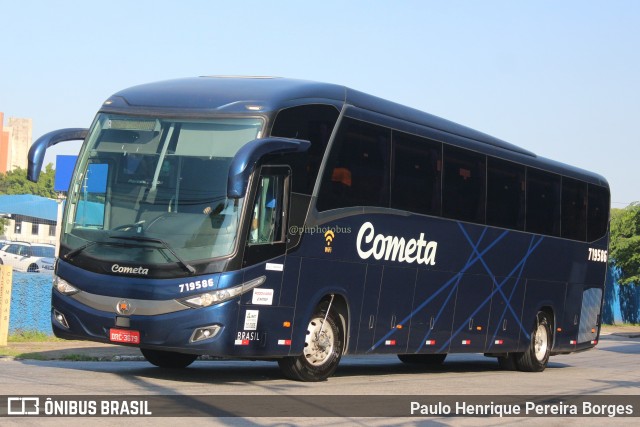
[267, 219]
[597, 212]
[417, 168]
[543, 202]
[574, 209]
[357, 172]
[464, 185]
[505, 194]
[312, 123]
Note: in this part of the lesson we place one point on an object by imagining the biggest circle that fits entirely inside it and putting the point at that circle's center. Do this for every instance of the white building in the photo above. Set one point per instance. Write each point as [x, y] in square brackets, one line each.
[28, 218]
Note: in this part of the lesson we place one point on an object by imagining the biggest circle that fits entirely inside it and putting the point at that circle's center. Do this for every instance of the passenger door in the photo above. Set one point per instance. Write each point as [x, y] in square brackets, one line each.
[264, 256]
[266, 234]
[267, 231]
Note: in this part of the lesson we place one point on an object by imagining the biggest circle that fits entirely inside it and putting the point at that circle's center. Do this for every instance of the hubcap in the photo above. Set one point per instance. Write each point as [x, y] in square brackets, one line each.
[318, 345]
[540, 342]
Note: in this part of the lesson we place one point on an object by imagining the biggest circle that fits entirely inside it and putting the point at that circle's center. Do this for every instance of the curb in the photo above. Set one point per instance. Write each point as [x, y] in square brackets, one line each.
[117, 358]
[626, 334]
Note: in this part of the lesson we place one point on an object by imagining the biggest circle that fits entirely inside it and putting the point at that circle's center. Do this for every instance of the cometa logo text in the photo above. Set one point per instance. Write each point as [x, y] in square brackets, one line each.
[392, 248]
[129, 270]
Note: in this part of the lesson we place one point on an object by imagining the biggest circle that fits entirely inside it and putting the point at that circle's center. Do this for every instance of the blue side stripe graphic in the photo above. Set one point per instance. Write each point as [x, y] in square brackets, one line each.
[454, 289]
[475, 256]
[513, 291]
[470, 262]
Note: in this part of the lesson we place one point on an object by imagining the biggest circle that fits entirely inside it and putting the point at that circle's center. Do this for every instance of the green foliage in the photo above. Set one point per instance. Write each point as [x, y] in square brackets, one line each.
[15, 182]
[625, 243]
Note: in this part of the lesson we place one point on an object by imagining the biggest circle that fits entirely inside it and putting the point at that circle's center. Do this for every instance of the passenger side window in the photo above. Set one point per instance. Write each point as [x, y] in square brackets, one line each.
[543, 202]
[464, 185]
[313, 123]
[357, 172]
[574, 209]
[417, 169]
[598, 212]
[505, 194]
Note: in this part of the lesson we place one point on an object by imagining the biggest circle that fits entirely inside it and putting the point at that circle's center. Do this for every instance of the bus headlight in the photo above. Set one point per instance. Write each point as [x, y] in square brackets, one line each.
[64, 287]
[216, 297]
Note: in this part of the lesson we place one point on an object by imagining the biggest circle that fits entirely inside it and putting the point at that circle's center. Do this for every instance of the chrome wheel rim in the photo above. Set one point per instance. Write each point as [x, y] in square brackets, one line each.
[541, 343]
[319, 342]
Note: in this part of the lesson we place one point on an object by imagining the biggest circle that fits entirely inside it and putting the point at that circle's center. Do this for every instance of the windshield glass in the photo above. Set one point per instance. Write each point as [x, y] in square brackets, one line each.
[141, 180]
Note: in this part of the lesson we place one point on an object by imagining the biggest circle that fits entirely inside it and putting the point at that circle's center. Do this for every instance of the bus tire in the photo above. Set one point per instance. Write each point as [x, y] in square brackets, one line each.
[536, 357]
[322, 349]
[423, 359]
[168, 359]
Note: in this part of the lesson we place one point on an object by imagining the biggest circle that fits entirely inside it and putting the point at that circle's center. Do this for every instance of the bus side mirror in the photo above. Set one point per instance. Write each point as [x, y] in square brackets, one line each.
[248, 156]
[39, 147]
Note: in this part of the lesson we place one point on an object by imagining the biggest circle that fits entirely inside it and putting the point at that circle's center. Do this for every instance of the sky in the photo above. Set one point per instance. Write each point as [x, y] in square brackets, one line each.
[561, 79]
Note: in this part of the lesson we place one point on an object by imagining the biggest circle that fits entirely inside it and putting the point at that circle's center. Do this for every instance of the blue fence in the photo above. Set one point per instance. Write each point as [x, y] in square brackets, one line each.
[621, 303]
[31, 302]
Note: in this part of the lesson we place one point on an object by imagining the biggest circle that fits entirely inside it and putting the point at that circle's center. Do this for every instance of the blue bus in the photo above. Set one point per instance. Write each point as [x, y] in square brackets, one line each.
[279, 219]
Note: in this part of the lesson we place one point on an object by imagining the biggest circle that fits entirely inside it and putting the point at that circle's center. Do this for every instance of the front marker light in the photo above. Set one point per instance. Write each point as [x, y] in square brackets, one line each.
[60, 318]
[216, 297]
[64, 287]
[205, 333]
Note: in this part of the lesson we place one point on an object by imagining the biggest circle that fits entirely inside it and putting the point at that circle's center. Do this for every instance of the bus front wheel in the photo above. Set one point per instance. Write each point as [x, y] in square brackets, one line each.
[168, 359]
[536, 357]
[323, 346]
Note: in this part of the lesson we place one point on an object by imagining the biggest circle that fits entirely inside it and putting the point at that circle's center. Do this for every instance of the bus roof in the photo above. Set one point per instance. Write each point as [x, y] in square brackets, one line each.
[263, 95]
[240, 94]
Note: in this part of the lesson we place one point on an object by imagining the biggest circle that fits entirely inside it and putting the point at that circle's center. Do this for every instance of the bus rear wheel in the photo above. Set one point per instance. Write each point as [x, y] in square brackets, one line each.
[168, 359]
[536, 357]
[422, 359]
[323, 347]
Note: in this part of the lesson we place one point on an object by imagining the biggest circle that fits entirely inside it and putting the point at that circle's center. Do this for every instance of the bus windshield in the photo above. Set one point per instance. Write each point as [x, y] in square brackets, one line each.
[153, 191]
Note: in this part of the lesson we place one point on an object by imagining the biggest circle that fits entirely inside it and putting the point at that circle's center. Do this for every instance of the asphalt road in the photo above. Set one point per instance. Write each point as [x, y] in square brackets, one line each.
[611, 368]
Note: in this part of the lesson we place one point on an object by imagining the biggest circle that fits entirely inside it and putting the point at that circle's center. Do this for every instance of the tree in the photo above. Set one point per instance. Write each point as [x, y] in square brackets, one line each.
[625, 243]
[15, 182]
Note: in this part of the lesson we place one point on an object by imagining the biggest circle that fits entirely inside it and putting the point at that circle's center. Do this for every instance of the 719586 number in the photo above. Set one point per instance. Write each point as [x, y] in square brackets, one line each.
[196, 285]
[598, 255]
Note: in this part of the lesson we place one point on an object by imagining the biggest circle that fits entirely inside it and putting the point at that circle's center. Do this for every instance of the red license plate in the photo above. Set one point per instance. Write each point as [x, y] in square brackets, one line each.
[124, 335]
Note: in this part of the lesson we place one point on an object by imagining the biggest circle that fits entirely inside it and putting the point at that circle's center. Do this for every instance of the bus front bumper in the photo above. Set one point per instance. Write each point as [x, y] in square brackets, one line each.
[219, 330]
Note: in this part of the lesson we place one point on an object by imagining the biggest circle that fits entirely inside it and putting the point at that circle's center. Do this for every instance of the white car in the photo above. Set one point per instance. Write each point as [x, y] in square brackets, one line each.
[30, 257]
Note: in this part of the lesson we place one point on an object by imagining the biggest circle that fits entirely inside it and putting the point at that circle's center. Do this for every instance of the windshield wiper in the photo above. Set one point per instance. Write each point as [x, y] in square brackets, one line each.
[77, 250]
[161, 242]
